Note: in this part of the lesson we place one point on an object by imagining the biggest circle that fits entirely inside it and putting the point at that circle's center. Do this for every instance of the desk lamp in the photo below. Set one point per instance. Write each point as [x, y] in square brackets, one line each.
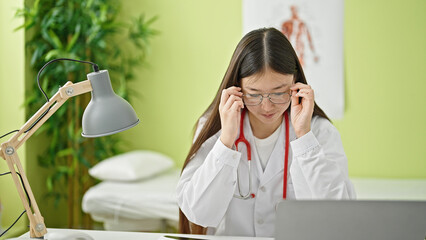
[106, 114]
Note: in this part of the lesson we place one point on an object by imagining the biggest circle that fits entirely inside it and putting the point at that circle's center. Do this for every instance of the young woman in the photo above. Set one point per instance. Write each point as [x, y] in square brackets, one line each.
[262, 140]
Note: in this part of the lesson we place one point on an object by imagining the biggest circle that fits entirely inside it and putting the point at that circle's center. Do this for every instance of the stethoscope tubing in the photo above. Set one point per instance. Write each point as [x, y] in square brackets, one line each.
[249, 194]
[242, 139]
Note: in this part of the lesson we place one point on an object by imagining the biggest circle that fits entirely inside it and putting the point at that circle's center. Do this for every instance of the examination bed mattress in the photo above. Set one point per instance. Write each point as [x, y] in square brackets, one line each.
[142, 205]
[150, 204]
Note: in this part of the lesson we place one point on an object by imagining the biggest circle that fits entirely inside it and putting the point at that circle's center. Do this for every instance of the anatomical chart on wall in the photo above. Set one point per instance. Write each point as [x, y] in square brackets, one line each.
[315, 29]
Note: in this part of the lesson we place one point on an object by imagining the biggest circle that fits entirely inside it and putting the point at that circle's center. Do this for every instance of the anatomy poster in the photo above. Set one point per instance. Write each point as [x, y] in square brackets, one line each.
[315, 29]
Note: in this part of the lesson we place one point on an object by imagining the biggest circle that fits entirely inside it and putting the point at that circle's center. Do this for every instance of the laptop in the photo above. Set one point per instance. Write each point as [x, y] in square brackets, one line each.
[350, 220]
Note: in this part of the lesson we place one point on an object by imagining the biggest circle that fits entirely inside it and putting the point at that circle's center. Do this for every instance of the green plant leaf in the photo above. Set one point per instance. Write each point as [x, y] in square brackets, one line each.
[74, 38]
[85, 162]
[63, 170]
[49, 183]
[65, 152]
[54, 53]
[55, 39]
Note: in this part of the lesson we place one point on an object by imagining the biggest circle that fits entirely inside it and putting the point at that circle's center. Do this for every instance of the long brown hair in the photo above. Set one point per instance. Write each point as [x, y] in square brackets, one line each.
[257, 50]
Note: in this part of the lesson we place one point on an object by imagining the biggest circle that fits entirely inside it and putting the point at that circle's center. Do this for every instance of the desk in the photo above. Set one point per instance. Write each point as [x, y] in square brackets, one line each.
[113, 235]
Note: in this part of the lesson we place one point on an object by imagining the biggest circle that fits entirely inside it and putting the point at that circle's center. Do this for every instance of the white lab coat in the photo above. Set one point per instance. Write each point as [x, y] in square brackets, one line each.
[317, 170]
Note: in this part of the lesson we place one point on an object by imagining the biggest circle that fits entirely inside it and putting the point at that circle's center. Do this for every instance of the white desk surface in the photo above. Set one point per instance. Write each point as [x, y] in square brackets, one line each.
[114, 235]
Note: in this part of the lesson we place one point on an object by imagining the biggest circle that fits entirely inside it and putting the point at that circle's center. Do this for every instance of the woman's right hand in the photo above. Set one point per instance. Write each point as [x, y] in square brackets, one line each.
[230, 106]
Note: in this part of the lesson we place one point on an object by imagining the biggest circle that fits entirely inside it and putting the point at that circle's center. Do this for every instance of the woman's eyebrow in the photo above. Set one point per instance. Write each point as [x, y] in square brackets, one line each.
[275, 88]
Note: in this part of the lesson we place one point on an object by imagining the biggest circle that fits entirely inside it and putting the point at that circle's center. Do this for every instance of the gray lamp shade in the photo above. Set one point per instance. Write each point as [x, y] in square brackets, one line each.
[106, 113]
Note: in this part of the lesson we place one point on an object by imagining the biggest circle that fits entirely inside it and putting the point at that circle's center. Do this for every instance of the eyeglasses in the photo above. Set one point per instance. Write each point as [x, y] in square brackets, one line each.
[276, 98]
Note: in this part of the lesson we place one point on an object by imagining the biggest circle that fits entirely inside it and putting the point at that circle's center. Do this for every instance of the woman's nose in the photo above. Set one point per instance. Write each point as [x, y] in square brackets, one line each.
[267, 104]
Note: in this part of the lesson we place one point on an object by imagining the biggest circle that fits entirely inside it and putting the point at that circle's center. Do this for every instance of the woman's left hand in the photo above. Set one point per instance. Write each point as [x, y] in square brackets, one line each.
[301, 111]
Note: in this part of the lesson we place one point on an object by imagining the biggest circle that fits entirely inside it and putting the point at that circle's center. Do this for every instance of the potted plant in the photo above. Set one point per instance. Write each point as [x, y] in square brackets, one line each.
[84, 30]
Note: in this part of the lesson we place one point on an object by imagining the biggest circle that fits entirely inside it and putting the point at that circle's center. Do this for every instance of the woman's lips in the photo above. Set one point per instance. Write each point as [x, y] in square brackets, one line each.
[270, 115]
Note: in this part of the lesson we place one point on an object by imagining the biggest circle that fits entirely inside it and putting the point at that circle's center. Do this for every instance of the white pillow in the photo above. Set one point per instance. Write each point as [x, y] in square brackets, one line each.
[131, 166]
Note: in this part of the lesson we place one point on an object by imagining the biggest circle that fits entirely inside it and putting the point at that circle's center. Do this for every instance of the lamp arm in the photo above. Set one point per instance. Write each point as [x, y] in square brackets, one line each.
[8, 150]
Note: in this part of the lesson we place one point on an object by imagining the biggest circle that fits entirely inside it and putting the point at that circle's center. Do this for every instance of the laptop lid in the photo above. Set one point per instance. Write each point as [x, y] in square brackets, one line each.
[350, 220]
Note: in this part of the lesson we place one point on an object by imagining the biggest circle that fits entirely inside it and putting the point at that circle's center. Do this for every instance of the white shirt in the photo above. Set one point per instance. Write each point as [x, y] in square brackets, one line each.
[265, 146]
[317, 170]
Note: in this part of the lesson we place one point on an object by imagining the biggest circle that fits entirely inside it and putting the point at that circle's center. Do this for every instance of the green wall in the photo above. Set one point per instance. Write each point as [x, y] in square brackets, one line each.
[383, 128]
[12, 116]
[187, 62]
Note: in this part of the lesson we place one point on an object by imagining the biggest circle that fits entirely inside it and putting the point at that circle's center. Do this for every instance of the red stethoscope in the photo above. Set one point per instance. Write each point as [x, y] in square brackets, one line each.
[242, 139]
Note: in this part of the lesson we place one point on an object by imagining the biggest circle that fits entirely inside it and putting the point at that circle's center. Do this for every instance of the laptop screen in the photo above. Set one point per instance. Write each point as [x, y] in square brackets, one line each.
[350, 220]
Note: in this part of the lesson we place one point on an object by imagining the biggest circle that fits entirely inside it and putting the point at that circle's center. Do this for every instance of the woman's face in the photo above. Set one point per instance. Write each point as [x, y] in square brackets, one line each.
[268, 82]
